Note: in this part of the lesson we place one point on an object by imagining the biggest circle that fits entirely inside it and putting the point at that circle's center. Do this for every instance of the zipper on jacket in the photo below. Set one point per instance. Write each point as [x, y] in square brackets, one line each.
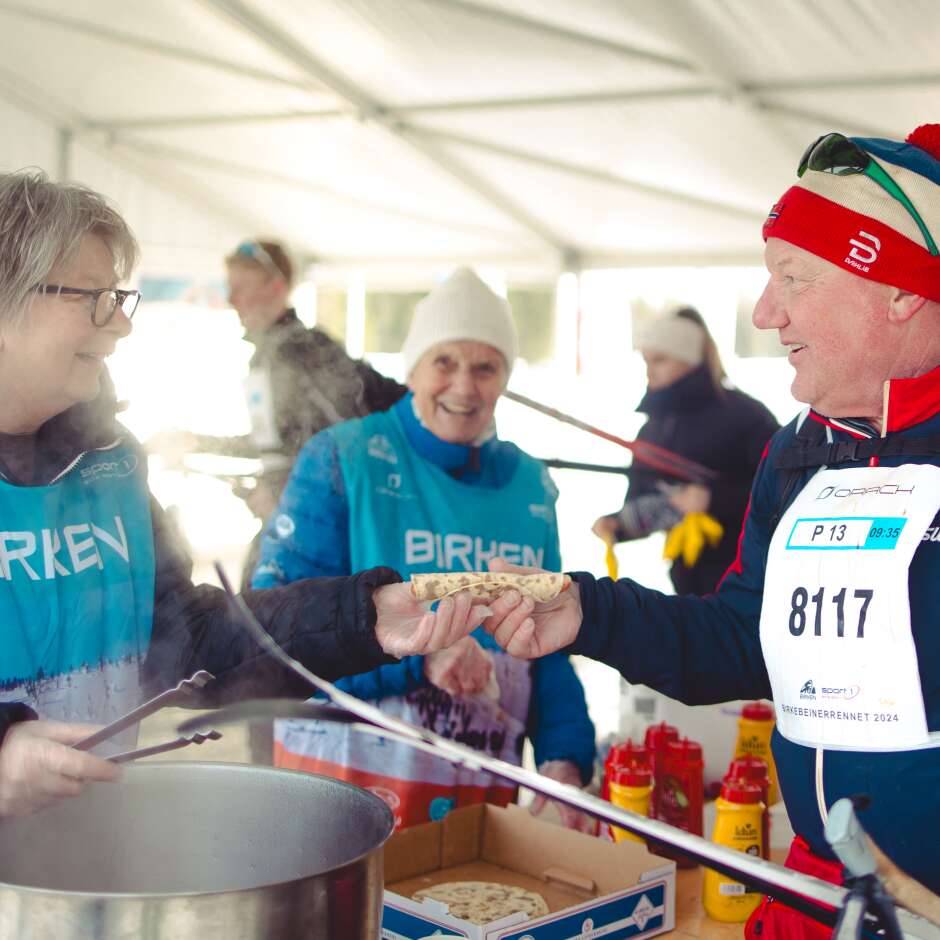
[71, 464]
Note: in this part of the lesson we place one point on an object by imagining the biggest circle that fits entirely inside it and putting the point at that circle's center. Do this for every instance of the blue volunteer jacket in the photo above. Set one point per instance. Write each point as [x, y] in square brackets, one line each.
[310, 535]
[707, 650]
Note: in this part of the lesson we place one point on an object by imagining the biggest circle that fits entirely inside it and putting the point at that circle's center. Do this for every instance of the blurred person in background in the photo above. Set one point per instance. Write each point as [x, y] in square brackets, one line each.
[300, 380]
[427, 487]
[97, 608]
[695, 412]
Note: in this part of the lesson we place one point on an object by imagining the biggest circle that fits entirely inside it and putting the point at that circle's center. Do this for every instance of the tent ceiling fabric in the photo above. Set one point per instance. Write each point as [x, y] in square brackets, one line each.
[538, 133]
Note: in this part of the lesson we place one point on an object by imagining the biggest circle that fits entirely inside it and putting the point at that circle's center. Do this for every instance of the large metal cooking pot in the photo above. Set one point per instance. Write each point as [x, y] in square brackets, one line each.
[186, 850]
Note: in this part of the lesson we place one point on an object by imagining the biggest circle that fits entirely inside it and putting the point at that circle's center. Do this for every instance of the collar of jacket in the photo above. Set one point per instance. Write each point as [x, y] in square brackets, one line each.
[83, 427]
[907, 403]
[287, 322]
[429, 446]
[910, 401]
[687, 394]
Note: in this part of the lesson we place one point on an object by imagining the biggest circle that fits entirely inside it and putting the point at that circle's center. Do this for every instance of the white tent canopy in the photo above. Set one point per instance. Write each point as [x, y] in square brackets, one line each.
[538, 135]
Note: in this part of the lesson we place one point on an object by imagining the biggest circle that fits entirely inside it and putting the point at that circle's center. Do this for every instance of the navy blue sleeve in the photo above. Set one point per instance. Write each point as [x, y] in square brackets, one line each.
[558, 722]
[697, 650]
[559, 726]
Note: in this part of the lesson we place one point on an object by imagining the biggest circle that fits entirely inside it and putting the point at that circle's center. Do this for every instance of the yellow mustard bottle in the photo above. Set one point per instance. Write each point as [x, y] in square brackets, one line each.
[737, 826]
[631, 788]
[755, 726]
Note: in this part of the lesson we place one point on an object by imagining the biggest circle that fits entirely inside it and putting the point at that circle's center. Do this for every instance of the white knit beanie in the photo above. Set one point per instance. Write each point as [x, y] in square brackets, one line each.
[674, 336]
[462, 307]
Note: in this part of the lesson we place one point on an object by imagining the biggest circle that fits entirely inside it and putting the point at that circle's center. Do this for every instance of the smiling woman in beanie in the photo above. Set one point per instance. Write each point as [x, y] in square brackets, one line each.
[695, 412]
[428, 486]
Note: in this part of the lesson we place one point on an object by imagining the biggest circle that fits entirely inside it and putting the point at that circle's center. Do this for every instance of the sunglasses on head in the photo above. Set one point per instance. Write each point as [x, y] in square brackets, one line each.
[256, 252]
[835, 153]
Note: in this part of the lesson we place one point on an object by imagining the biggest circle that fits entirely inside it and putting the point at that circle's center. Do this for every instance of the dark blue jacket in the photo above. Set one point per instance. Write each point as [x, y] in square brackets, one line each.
[724, 430]
[706, 650]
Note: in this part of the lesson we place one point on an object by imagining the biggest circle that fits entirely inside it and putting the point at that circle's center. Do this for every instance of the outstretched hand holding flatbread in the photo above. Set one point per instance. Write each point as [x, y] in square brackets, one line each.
[527, 626]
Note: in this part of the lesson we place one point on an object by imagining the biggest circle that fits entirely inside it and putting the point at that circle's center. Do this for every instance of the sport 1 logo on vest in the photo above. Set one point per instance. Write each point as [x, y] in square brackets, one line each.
[109, 469]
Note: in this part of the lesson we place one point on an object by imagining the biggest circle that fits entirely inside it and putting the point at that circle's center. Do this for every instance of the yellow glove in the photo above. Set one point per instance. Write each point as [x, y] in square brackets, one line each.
[689, 536]
[611, 559]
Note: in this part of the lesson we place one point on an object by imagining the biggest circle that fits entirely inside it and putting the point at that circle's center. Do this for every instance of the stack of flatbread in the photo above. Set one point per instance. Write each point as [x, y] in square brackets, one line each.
[488, 585]
[481, 902]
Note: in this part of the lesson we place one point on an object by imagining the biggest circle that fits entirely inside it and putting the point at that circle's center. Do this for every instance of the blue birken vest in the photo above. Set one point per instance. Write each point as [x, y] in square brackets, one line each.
[77, 588]
[409, 514]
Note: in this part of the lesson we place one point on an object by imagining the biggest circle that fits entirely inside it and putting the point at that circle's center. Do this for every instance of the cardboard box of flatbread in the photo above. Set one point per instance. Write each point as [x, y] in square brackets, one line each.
[481, 857]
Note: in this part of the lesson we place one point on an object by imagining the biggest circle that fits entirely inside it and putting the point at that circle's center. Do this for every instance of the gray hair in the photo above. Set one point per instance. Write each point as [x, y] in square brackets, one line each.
[42, 224]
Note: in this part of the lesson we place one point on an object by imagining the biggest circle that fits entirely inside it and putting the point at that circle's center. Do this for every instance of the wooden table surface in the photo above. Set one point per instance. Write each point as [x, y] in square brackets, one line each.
[691, 919]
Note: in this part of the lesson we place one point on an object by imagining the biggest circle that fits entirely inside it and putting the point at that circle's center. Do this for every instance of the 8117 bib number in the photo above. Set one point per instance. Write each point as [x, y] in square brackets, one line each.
[804, 606]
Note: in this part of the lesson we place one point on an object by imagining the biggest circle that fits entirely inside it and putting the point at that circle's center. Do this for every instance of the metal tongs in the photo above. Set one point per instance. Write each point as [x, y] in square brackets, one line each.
[818, 899]
[180, 694]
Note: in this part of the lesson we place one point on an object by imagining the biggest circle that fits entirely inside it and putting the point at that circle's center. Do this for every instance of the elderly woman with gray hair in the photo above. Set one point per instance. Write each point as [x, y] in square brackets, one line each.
[96, 602]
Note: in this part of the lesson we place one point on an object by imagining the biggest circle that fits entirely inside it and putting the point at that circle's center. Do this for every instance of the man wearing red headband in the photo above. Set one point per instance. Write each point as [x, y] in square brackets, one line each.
[830, 607]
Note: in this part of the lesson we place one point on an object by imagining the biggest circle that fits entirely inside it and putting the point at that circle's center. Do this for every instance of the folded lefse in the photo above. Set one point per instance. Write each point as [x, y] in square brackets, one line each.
[481, 902]
[489, 585]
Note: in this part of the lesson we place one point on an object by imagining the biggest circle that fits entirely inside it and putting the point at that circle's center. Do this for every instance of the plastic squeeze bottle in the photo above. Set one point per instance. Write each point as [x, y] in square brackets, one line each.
[755, 727]
[625, 754]
[678, 794]
[680, 785]
[737, 826]
[755, 769]
[657, 737]
[631, 788]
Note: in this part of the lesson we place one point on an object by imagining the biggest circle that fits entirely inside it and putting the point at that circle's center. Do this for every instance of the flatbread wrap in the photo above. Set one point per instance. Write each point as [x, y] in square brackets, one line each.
[489, 585]
[481, 902]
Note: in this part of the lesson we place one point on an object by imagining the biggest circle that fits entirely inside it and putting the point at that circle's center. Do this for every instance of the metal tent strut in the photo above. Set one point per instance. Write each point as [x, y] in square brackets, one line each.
[802, 892]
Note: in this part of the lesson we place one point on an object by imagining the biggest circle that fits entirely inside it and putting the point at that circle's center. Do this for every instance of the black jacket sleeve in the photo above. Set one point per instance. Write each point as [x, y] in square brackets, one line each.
[326, 623]
[11, 713]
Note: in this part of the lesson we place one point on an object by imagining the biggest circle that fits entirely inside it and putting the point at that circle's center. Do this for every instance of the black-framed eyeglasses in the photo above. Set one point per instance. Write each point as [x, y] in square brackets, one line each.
[837, 154]
[104, 301]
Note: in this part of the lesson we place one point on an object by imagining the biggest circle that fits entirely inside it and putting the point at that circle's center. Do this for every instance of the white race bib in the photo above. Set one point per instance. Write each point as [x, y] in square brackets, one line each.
[836, 620]
[260, 402]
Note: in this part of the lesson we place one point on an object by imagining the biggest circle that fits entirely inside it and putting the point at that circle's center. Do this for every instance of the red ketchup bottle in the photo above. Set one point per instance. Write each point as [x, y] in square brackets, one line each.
[681, 791]
[755, 770]
[626, 754]
[657, 737]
